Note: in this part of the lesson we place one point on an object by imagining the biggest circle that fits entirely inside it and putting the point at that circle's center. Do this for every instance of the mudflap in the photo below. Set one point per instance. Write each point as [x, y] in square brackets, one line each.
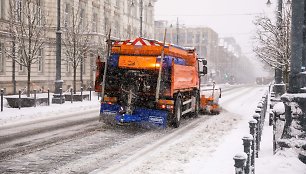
[148, 118]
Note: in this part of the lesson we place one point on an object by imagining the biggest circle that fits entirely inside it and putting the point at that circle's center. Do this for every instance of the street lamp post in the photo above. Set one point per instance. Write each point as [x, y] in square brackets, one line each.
[141, 10]
[14, 65]
[141, 14]
[278, 77]
[296, 45]
[57, 97]
[303, 81]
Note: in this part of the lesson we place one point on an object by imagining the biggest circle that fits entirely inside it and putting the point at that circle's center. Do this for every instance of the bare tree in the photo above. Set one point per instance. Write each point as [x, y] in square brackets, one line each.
[76, 40]
[28, 30]
[272, 41]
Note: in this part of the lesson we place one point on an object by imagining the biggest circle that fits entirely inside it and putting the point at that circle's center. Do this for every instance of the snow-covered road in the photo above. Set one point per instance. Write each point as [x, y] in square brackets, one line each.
[205, 144]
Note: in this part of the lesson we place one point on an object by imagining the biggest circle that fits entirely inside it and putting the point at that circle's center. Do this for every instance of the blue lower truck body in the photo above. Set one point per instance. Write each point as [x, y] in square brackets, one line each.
[142, 116]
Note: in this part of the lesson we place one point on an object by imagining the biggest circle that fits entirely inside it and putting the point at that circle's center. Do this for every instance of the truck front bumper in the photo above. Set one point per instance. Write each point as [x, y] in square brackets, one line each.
[142, 116]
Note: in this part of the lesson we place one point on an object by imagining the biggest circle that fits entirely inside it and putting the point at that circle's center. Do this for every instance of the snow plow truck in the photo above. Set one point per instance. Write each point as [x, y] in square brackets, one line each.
[149, 83]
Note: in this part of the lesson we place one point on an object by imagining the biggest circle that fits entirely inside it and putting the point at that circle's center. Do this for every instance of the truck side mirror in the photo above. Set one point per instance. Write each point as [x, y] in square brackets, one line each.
[220, 93]
[204, 71]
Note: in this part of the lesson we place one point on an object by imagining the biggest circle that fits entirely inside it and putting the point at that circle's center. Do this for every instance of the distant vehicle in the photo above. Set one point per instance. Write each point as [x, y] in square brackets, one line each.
[263, 80]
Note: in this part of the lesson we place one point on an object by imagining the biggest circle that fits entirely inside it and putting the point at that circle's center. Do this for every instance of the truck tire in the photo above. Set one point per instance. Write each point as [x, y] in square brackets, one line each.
[177, 113]
[197, 104]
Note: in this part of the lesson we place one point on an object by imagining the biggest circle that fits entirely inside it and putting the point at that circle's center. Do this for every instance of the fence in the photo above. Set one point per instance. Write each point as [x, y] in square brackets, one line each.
[19, 99]
[245, 162]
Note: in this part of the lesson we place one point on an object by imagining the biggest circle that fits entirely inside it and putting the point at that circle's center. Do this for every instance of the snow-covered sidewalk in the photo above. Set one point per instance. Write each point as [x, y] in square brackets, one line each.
[283, 162]
[221, 162]
[15, 115]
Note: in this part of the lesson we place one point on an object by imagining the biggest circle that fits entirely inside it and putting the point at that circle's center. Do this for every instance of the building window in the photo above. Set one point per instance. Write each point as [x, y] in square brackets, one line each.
[21, 69]
[182, 39]
[66, 15]
[146, 14]
[2, 8]
[38, 12]
[106, 25]
[84, 65]
[150, 15]
[18, 7]
[117, 29]
[197, 38]
[190, 38]
[20, 61]
[1, 59]
[40, 61]
[94, 22]
[68, 66]
[133, 5]
[129, 31]
[173, 36]
[129, 8]
[82, 15]
[118, 3]
[135, 33]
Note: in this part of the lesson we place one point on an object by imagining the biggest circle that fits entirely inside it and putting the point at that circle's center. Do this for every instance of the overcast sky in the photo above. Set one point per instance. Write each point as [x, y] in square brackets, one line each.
[226, 17]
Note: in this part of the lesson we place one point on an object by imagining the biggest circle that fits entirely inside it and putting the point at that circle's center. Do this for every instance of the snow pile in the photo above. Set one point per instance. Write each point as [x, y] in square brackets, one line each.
[291, 97]
[283, 162]
[279, 108]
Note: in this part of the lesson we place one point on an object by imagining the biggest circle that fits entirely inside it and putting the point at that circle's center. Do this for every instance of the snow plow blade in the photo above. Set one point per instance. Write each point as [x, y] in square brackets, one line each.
[109, 114]
[209, 99]
[209, 106]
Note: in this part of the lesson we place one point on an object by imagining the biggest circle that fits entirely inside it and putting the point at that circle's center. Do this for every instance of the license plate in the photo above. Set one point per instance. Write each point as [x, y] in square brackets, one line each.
[157, 120]
[107, 112]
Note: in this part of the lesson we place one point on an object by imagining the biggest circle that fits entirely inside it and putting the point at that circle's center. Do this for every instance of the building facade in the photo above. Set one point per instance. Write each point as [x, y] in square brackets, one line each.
[121, 17]
[222, 54]
[204, 39]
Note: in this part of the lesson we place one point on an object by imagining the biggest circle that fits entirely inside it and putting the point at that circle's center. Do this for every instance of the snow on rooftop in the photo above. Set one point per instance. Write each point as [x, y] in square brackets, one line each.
[290, 97]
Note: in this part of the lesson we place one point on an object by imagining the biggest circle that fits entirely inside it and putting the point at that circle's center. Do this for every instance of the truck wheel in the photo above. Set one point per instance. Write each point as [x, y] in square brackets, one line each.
[197, 105]
[177, 113]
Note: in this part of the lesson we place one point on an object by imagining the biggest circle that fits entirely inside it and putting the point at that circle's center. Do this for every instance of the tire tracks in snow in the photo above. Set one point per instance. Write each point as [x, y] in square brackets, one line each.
[36, 135]
[181, 145]
[235, 94]
[117, 152]
[178, 141]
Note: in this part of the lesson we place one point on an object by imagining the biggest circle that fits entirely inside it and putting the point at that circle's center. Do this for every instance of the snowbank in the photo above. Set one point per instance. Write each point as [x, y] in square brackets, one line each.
[283, 162]
[14, 115]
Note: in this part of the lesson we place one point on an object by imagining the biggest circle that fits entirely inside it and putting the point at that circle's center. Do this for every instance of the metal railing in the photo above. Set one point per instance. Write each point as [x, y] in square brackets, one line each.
[245, 162]
[35, 97]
